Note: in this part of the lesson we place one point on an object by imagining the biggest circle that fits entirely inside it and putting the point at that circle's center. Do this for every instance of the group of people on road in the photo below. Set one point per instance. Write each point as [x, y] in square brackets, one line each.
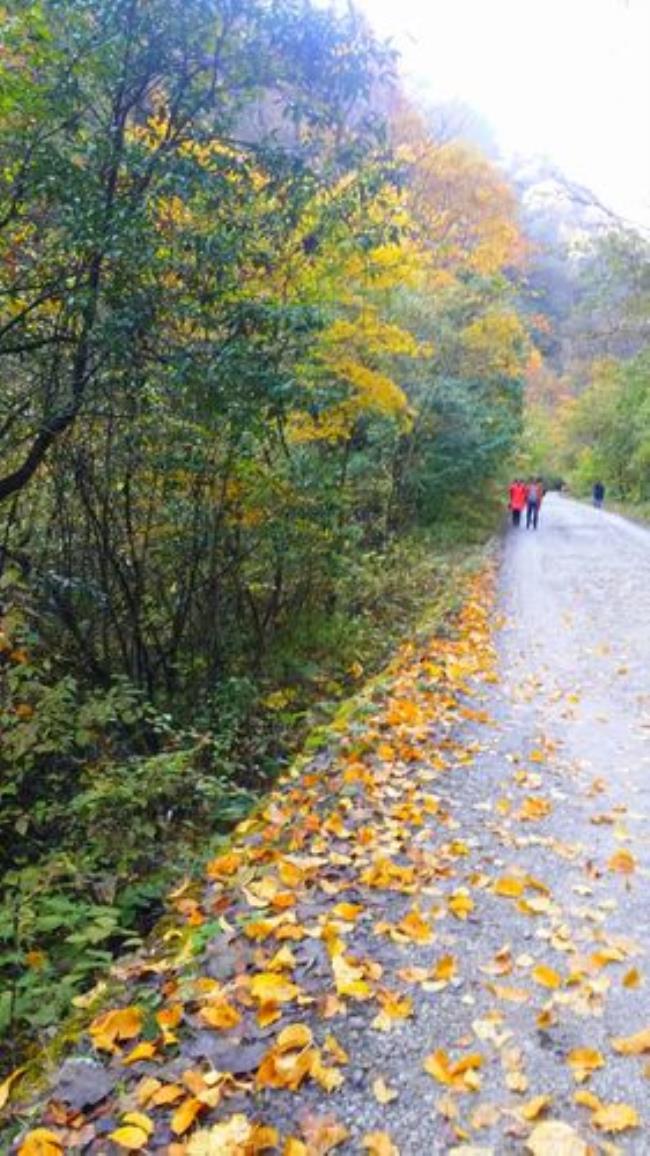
[526, 496]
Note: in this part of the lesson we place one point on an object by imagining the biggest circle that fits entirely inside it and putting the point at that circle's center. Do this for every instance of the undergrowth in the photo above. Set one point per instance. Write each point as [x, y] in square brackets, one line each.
[106, 802]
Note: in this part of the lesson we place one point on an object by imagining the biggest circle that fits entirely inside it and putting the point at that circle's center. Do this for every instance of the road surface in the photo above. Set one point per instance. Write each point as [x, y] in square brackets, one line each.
[568, 725]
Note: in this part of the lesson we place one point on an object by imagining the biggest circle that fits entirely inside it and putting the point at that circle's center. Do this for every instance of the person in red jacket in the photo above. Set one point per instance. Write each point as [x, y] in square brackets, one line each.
[534, 495]
[517, 500]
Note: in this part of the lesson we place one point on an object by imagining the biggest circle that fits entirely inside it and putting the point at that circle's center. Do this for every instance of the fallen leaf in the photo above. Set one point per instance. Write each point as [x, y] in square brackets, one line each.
[584, 1061]
[509, 888]
[587, 1099]
[379, 1144]
[5, 1088]
[555, 1138]
[623, 862]
[113, 1026]
[41, 1142]
[634, 1045]
[615, 1118]
[220, 1015]
[185, 1115]
[323, 1134]
[382, 1093]
[546, 976]
[461, 904]
[144, 1051]
[130, 1136]
[533, 1108]
[267, 987]
[230, 1138]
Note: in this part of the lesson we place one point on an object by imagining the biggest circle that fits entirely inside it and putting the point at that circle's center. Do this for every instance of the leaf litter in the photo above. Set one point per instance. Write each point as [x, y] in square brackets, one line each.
[347, 905]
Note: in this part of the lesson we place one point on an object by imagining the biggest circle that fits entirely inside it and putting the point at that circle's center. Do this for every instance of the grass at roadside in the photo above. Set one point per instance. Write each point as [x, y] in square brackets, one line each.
[635, 511]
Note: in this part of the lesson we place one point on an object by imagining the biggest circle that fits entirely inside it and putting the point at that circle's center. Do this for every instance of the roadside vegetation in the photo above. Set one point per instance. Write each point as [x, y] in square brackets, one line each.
[588, 413]
[263, 359]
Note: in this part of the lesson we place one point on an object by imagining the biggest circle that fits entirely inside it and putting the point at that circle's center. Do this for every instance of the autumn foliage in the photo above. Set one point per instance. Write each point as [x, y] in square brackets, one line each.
[258, 329]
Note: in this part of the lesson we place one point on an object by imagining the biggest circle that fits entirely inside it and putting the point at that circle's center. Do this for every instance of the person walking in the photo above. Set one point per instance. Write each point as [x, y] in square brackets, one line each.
[534, 495]
[598, 494]
[517, 500]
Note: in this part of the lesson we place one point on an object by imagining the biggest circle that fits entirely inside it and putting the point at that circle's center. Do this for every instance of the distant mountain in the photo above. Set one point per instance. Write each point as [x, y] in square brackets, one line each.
[567, 226]
[556, 210]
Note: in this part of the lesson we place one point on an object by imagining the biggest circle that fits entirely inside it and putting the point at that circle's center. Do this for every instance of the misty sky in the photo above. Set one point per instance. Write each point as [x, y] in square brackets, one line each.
[566, 78]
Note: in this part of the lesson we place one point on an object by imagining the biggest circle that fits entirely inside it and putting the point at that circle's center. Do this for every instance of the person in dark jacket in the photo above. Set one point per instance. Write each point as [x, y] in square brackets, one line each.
[598, 494]
[534, 497]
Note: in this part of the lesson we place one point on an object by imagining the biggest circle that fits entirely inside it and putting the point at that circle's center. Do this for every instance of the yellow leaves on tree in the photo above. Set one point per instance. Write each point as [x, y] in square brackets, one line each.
[494, 346]
[461, 205]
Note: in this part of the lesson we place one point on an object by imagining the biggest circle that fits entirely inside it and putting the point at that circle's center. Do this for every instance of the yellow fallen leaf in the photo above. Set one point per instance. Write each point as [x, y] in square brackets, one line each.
[546, 976]
[533, 1108]
[461, 904]
[584, 1061]
[555, 1138]
[113, 1026]
[615, 1118]
[267, 987]
[168, 1094]
[143, 1051]
[286, 1069]
[294, 1147]
[415, 928]
[382, 1093]
[634, 1045]
[323, 1134]
[587, 1099]
[349, 979]
[41, 1142]
[623, 862]
[224, 865]
[445, 969]
[220, 1015]
[509, 888]
[511, 994]
[632, 978]
[294, 1037]
[347, 911]
[533, 809]
[329, 1078]
[460, 1074]
[130, 1137]
[139, 1120]
[379, 1144]
[185, 1115]
[5, 1088]
[230, 1138]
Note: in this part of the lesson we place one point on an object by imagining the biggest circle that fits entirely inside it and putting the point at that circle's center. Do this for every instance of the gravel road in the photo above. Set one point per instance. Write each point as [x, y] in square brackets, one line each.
[569, 723]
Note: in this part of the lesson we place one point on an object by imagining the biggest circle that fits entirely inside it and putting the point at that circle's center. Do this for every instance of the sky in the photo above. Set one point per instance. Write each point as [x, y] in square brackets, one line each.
[569, 79]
